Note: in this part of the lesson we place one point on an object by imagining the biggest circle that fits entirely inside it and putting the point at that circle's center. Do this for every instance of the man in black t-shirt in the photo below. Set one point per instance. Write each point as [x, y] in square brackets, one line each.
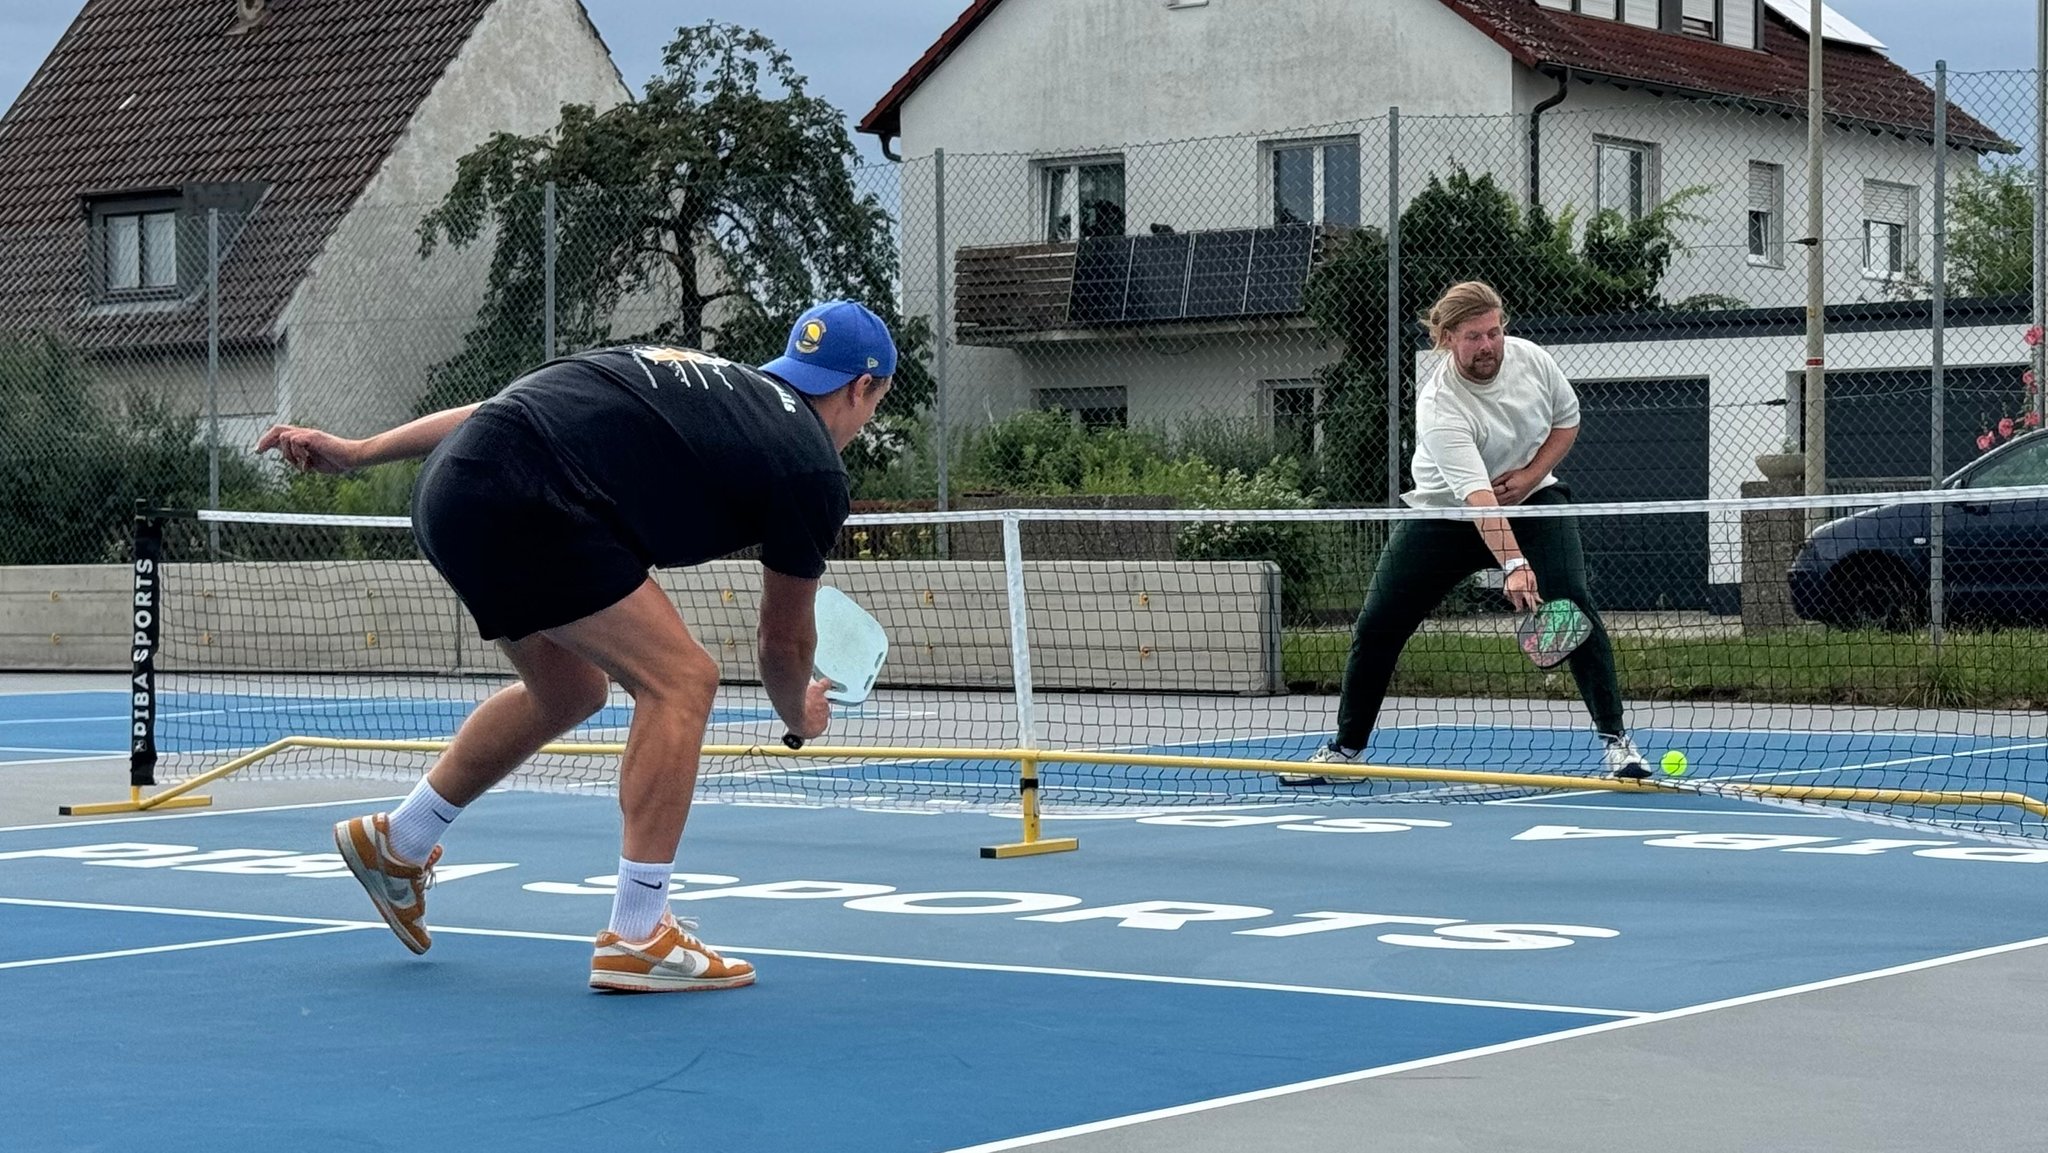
[544, 507]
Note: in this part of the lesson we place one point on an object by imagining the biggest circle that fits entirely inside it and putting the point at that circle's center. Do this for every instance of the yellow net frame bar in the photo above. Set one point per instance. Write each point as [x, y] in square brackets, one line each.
[181, 795]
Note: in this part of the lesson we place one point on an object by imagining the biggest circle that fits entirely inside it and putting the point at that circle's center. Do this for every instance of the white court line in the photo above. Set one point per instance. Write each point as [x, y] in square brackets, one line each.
[913, 962]
[1765, 730]
[122, 755]
[1541, 803]
[69, 750]
[1894, 763]
[1486, 1051]
[181, 947]
[194, 814]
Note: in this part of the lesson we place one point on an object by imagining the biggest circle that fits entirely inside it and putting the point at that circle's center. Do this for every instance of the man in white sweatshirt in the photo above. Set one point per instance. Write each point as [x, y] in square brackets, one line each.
[1492, 419]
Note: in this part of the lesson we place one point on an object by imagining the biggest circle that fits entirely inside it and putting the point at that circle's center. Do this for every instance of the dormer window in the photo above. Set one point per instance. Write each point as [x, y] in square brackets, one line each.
[151, 246]
[135, 246]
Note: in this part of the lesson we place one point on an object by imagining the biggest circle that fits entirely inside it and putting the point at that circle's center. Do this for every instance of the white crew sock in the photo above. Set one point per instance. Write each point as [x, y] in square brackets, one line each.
[641, 899]
[418, 822]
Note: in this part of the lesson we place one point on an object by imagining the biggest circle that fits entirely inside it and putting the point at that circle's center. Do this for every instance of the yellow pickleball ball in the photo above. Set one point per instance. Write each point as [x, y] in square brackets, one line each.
[1674, 763]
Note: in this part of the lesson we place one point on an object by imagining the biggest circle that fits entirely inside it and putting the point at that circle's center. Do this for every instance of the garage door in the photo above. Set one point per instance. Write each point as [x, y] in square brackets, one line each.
[1878, 421]
[1643, 440]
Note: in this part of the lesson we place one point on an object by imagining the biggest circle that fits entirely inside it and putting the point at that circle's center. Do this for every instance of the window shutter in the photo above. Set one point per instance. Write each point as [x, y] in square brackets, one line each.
[1739, 18]
[1891, 203]
[1700, 10]
[1763, 187]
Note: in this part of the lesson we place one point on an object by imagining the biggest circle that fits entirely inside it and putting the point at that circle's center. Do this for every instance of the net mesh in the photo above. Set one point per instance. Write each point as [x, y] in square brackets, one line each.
[1190, 657]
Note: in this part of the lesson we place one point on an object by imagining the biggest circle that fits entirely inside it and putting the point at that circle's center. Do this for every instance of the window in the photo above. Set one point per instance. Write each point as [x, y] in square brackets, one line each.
[1625, 176]
[139, 251]
[1084, 199]
[1766, 214]
[2027, 464]
[1316, 183]
[1293, 412]
[1092, 408]
[1890, 212]
[1601, 8]
[1701, 18]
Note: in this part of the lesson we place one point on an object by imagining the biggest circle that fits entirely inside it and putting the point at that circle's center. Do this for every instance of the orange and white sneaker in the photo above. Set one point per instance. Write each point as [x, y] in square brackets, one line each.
[673, 962]
[398, 889]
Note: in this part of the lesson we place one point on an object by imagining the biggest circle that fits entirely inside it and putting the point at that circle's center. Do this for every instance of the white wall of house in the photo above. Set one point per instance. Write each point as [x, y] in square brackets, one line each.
[243, 395]
[1058, 74]
[372, 317]
[1225, 82]
[1073, 79]
[1703, 145]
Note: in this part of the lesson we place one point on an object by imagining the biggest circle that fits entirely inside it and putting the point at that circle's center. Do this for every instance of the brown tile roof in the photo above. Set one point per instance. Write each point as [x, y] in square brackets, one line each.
[1861, 84]
[146, 95]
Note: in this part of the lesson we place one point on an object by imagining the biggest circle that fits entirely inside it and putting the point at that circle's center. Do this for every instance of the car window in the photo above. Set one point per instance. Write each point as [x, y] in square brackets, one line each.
[2027, 464]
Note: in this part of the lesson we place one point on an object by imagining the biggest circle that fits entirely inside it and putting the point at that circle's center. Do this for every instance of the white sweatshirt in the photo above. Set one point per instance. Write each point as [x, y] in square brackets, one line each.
[1467, 433]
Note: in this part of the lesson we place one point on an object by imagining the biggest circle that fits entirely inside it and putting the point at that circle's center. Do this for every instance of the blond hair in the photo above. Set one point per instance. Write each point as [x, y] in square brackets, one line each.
[1458, 304]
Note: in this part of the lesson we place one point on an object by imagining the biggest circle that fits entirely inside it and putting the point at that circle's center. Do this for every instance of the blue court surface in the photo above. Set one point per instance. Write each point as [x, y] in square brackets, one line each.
[215, 980]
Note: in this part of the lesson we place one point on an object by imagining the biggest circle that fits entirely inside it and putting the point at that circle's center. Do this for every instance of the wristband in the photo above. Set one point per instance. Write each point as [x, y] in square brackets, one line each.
[1512, 564]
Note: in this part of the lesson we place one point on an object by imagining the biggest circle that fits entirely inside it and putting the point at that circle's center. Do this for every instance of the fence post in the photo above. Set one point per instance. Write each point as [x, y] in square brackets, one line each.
[213, 376]
[941, 434]
[547, 260]
[2040, 293]
[1814, 415]
[1937, 376]
[1394, 326]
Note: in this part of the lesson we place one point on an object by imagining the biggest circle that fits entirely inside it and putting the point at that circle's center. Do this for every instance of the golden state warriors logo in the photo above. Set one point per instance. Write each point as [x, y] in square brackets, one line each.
[809, 336]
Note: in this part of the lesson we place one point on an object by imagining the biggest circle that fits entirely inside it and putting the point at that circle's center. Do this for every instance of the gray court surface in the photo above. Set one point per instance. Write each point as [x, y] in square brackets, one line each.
[1947, 1055]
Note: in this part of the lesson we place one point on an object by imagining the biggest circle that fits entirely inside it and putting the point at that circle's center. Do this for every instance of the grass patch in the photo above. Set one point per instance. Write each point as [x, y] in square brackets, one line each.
[1980, 670]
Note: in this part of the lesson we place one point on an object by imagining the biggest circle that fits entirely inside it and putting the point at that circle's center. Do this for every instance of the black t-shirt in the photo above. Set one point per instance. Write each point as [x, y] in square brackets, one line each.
[691, 456]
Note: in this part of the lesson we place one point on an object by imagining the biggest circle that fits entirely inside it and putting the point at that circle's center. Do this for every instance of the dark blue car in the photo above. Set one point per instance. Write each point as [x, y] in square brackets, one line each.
[1870, 570]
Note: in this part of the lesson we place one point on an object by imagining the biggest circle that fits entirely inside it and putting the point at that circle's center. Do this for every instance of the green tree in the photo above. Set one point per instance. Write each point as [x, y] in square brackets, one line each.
[727, 187]
[72, 466]
[1991, 232]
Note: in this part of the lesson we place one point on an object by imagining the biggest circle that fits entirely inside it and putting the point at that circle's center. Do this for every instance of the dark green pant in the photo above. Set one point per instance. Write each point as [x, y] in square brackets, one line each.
[1423, 562]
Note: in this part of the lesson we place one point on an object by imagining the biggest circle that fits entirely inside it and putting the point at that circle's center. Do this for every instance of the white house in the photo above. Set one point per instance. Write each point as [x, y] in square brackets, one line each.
[1134, 192]
[318, 132]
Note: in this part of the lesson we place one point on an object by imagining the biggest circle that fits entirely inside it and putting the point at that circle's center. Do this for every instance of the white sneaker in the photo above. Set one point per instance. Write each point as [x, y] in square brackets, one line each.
[396, 887]
[1327, 755]
[1624, 760]
[675, 961]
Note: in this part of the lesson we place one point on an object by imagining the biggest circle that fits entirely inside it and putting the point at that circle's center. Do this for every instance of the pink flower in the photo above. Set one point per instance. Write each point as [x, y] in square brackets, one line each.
[2027, 378]
[2033, 336]
[1985, 442]
[2031, 420]
[2005, 428]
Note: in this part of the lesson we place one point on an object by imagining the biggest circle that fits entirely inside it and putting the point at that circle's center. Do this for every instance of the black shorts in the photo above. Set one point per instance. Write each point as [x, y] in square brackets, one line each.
[498, 515]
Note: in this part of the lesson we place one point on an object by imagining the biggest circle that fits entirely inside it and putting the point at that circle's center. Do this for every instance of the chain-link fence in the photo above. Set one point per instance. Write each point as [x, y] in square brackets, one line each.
[1226, 322]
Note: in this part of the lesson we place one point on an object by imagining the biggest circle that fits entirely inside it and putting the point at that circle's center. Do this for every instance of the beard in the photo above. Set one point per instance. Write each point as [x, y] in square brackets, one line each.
[1481, 368]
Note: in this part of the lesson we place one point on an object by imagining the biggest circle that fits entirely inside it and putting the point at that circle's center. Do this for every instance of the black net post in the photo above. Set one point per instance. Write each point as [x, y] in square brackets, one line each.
[145, 622]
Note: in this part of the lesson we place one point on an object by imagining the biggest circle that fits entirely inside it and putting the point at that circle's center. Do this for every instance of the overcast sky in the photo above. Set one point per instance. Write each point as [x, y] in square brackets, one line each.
[852, 50]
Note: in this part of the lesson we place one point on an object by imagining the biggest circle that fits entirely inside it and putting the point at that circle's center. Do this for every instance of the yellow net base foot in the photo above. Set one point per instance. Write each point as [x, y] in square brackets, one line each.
[1031, 848]
[140, 805]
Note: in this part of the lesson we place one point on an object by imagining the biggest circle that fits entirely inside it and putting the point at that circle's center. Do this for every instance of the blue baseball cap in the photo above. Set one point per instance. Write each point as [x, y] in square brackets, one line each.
[831, 345]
